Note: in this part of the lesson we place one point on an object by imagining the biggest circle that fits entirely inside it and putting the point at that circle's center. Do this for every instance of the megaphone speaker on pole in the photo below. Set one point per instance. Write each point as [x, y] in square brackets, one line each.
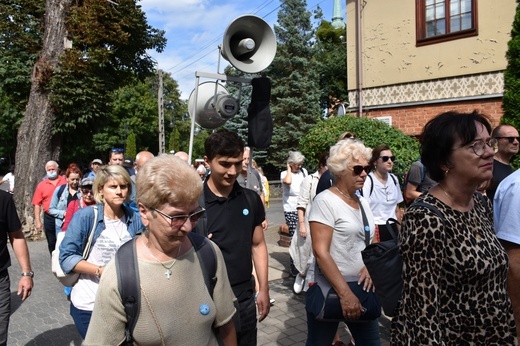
[249, 44]
[214, 106]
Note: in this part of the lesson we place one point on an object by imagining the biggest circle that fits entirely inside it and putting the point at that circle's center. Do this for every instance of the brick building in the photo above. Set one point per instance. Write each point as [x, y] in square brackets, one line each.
[409, 60]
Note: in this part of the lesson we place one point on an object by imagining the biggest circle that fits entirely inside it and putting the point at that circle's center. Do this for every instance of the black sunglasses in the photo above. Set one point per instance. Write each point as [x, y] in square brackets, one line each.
[385, 158]
[117, 150]
[359, 169]
[510, 139]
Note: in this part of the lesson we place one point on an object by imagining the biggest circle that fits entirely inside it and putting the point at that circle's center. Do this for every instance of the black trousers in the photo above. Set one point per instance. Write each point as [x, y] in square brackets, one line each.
[49, 226]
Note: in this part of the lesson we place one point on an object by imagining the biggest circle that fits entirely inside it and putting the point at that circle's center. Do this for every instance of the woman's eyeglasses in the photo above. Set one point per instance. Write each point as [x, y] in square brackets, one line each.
[179, 220]
[479, 146]
[87, 191]
[386, 158]
[510, 139]
[359, 169]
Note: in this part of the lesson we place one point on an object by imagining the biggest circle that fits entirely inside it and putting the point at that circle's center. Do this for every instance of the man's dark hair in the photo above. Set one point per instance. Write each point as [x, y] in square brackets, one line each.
[224, 143]
[496, 130]
[440, 134]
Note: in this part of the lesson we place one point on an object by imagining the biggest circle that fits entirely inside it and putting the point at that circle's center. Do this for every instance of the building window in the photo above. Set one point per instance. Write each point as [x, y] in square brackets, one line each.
[443, 20]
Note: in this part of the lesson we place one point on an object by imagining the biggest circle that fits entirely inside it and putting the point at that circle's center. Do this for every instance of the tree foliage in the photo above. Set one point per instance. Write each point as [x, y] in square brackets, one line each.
[511, 98]
[130, 146]
[372, 132]
[69, 85]
[295, 93]
[20, 42]
[331, 58]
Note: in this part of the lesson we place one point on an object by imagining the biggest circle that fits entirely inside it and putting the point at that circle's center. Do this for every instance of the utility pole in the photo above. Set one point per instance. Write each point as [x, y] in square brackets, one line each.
[161, 113]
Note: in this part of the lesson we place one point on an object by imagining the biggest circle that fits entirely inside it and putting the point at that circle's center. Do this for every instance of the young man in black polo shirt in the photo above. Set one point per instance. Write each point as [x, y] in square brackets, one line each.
[234, 223]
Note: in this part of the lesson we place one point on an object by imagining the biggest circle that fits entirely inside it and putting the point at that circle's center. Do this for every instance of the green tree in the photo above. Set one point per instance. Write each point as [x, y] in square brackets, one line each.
[331, 57]
[20, 43]
[511, 98]
[295, 93]
[372, 132]
[109, 43]
[130, 147]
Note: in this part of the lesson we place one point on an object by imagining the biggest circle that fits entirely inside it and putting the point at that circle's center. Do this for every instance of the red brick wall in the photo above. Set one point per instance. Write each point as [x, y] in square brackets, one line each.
[411, 119]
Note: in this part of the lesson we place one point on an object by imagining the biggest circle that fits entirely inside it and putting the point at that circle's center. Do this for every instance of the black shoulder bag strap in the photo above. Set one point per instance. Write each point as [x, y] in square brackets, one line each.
[128, 283]
[366, 226]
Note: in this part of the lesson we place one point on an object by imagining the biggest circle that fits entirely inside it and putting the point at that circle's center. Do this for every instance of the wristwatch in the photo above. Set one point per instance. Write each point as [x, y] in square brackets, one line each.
[31, 274]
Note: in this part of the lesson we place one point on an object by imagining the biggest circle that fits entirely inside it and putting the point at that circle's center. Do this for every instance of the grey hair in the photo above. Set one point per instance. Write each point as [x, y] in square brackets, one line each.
[295, 157]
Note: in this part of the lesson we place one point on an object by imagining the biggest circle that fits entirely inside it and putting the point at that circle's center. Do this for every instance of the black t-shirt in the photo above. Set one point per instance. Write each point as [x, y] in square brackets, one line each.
[9, 222]
[325, 182]
[500, 172]
[232, 222]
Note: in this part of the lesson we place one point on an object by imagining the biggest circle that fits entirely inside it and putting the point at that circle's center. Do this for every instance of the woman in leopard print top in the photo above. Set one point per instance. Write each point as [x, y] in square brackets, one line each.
[454, 268]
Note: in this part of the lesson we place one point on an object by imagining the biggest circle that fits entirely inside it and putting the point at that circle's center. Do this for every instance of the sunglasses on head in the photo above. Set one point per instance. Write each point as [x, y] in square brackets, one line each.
[117, 150]
[358, 169]
[385, 158]
[510, 139]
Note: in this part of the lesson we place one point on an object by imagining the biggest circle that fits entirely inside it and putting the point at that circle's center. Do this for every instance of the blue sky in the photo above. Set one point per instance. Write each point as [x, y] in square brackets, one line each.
[195, 28]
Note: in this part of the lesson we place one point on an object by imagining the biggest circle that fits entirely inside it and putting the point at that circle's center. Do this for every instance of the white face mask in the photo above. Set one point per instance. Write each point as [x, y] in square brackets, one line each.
[52, 175]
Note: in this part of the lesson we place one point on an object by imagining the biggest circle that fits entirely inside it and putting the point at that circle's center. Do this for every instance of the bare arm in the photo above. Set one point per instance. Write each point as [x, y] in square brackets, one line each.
[37, 219]
[301, 222]
[410, 192]
[288, 177]
[228, 333]
[260, 260]
[21, 252]
[85, 267]
[321, 239]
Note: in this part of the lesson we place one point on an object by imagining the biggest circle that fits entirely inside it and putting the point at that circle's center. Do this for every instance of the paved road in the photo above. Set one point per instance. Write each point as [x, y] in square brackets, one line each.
[44, 318]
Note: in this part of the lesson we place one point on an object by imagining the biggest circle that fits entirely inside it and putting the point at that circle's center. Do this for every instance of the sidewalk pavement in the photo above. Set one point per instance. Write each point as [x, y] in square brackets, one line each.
[44, 318]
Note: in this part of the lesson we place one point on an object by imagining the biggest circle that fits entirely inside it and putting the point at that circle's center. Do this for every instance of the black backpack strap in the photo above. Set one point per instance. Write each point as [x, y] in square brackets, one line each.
[371, 186]
[128, 283]
[202, 224]
[61, 189]
[394, 178]
[207, 258]
[430, 207]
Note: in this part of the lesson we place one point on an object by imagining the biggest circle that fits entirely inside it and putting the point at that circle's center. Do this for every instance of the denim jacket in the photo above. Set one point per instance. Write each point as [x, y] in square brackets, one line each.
[76, 237]
[58, 206]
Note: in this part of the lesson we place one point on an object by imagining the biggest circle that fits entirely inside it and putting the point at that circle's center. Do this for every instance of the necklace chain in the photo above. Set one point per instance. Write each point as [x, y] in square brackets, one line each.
[447, 195]
[168, 272]
[344, 195]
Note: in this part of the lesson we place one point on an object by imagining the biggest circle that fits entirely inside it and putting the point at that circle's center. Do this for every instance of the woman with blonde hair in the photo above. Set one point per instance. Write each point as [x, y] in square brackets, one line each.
[341, 222]
[113, 225]
[171, 277]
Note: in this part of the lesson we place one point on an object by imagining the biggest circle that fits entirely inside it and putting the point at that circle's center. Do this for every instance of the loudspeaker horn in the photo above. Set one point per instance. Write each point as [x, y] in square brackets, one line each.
[214, 105]
[249, 44]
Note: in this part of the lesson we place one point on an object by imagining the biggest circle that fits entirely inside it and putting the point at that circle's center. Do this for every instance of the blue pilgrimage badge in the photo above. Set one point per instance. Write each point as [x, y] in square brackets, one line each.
[367, 229]
[204, 309]
[245, 212]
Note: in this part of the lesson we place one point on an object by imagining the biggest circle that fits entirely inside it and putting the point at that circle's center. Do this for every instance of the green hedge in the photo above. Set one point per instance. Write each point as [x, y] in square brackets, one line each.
[371, 132]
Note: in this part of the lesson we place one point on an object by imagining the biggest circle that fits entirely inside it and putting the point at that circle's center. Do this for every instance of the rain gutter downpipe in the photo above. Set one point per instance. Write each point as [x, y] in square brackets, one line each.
[359, 59]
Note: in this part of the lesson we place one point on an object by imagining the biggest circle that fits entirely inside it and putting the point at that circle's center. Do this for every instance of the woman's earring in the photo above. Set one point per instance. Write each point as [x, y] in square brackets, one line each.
[446, 172]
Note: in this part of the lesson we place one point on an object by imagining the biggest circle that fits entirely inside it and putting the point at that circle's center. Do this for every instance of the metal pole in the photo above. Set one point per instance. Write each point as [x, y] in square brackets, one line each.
[161, 113]
[192, 130]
